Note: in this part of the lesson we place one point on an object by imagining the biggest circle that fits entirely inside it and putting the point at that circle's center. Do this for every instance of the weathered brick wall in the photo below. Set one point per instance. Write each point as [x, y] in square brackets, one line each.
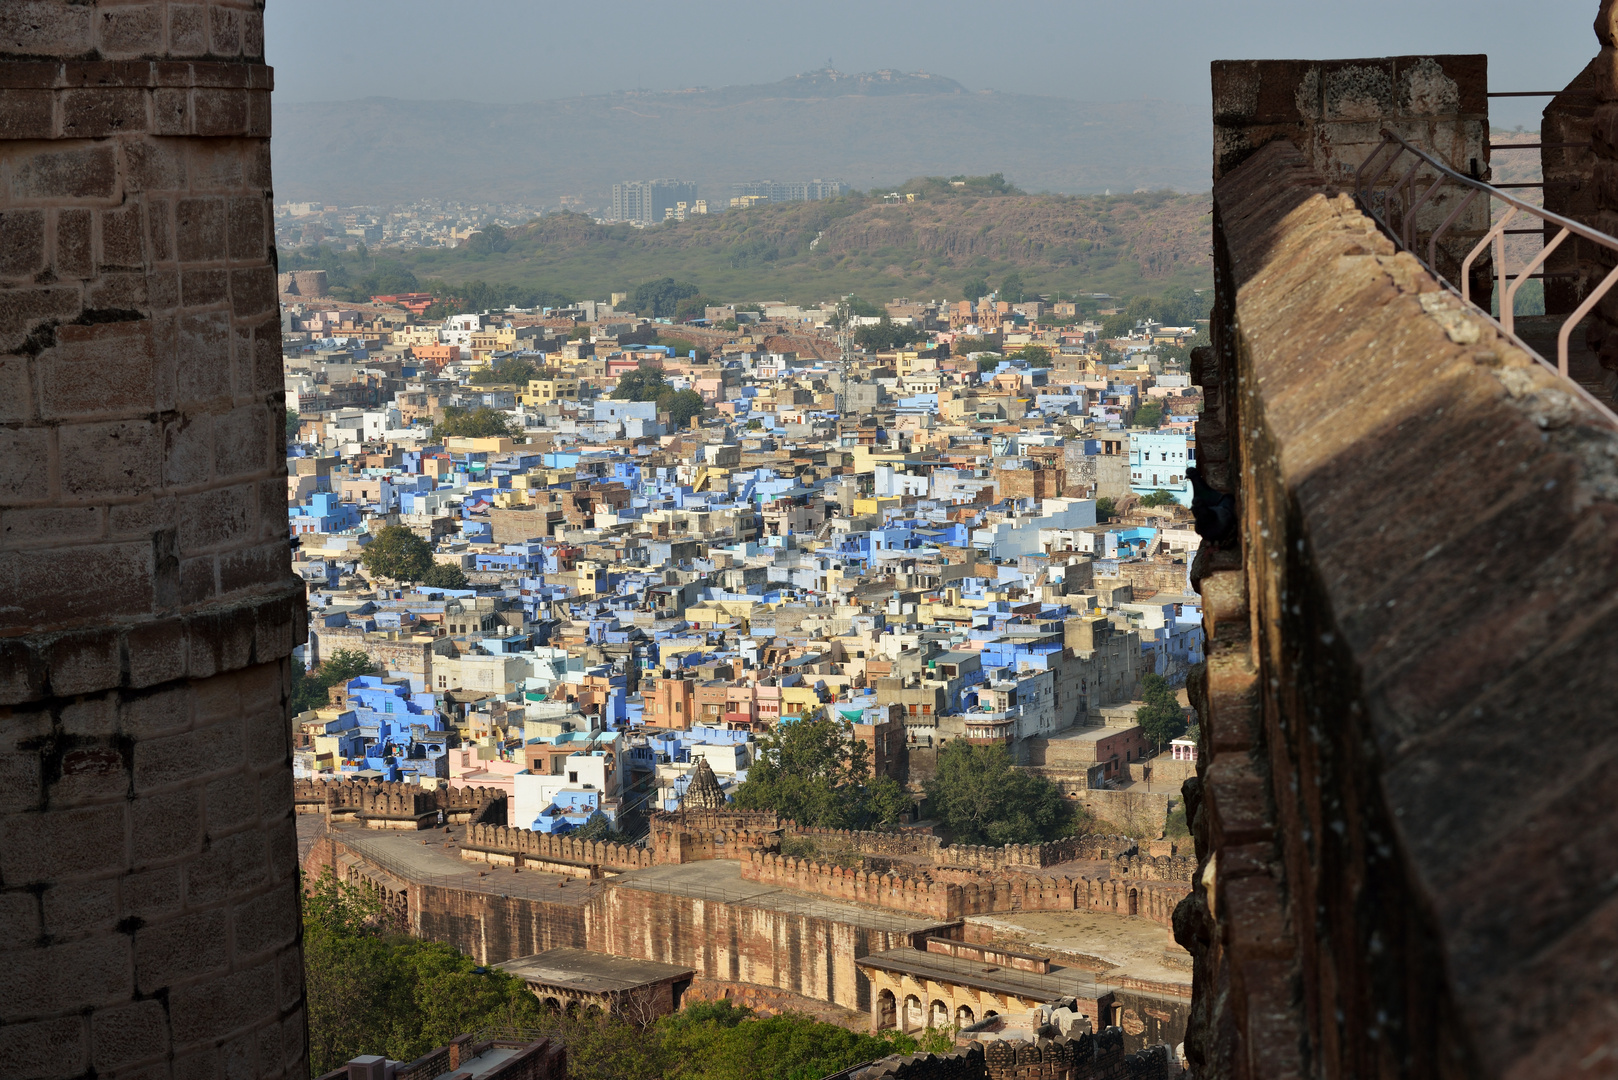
[148, 903]
[1423, 516]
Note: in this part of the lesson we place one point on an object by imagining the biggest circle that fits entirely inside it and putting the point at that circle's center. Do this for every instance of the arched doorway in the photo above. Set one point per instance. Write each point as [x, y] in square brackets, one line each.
[964, 1017]
[1134, 901]
[990, 1014]
[887, 1010]
[912, 1017]
[938, 1015]
[550, 1004]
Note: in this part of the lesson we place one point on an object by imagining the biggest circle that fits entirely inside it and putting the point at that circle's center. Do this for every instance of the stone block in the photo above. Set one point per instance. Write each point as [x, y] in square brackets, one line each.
[218, 517]
[29, 449]
[52, 525]
[46, 28]
[119, 458]
[102, 369]
[266, 923]
[222, 113]
[70, 910]
[69, 976]
[203, 360]
[182, 949]
[232, 801]
[224, 31]
[188, 450]
[204, 286]
[212, 1010]
[16, 391]
[144, 716]
[22, 785]
[43, 1049]
[59, 586]
[248, 238]
[232, 866]
[126, 1036]
[121, 238]
[95, 113]
[252, 290]
[33, 313]
[27, 113]
[166, 825]
[152, 894]
[157, 652]
[200, 225]
[188, 30]
[187, 756]
[87, 172]
[22, 241]
[250, 452]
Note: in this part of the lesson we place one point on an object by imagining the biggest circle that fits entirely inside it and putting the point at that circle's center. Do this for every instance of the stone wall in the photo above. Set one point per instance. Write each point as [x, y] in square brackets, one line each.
[952, 893]
[1088, 1057]
[929, 848]
[1423, 515]
[148, 894]
[380, 798]
[531, 848]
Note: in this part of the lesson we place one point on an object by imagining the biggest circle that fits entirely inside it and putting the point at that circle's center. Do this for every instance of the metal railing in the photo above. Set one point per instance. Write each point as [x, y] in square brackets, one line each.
[1395, 149]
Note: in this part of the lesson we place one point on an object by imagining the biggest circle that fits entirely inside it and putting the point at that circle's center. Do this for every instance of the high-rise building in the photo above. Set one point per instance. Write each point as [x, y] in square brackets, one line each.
[754, 191]
[645, 202]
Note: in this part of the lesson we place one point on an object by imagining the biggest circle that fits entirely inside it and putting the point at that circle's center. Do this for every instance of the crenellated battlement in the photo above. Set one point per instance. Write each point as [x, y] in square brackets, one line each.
[542, 847]
[951, 893]
[928, 847]
[393, 800]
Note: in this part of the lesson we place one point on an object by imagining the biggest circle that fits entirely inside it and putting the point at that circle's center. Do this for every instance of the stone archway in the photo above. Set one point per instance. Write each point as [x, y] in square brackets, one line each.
[550, 1004]
[887, 1011]
[938, 1015]
[964, 1017]
[1134, 901]
[913, 1017]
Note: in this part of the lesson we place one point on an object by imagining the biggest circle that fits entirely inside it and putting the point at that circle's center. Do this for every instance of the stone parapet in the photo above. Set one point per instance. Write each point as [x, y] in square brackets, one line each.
[1423, 514]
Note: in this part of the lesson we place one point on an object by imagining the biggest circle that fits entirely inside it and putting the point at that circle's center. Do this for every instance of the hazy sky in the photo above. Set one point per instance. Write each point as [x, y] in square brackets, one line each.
[521, 50]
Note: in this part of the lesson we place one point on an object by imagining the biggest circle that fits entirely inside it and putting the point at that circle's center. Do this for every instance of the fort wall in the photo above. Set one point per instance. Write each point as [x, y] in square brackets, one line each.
[1088, 1057]
[148, 887]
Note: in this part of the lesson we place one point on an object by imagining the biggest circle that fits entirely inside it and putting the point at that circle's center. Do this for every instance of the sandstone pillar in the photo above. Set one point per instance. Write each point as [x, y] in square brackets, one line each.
[148, 896]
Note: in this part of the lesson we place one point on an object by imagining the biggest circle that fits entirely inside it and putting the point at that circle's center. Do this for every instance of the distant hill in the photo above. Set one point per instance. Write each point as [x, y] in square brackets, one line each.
[869, 130]
[1123, 244]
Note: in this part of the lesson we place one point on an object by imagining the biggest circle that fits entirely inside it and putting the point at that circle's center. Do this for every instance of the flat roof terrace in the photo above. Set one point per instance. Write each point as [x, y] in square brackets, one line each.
[592, 972]
[990, 977]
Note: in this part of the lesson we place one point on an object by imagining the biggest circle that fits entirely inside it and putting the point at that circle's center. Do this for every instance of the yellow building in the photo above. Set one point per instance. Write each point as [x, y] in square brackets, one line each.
[544, 390]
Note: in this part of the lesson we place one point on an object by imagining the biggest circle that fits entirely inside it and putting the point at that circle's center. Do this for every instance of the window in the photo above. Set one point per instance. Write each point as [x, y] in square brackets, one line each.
[572, 777]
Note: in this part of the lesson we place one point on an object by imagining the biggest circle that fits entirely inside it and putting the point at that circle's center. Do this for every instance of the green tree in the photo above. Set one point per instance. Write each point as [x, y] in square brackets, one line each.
[988, 363]
[1106, 509]
[1011, 289]
[1160, 497]
[974, 288]
[683, 347]
[396, 552]
[1037, 355]
[444, 576]
[693, 307]
[661, 298]
[1117, 326]
[682, 406]
[817, 773]
[292, 424]
[597, 828]
[309, 689]
[480, 423]
[884, 336]
[983, 800]
[1149, 415]
[510, 370]
[645, 383]
[1162, 720]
